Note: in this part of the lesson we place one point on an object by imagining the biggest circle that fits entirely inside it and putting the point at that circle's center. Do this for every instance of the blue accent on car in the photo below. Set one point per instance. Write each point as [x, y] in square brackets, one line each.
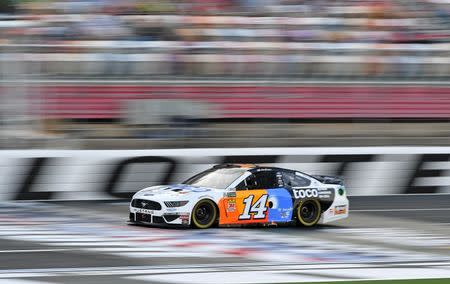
[186, 187]
[282, 201]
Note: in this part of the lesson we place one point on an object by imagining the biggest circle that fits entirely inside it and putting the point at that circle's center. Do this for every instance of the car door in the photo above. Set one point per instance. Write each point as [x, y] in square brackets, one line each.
[260, 198]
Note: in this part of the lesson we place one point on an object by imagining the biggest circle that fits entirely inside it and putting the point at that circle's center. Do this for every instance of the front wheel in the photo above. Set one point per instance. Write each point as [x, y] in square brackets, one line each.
[308, 212]
[204, 214]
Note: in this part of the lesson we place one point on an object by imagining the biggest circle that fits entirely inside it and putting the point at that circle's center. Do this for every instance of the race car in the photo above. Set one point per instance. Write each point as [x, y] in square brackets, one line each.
[237, 194]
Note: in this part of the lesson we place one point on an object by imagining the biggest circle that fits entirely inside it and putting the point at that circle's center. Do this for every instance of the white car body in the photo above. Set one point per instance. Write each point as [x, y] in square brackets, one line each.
[155, 204]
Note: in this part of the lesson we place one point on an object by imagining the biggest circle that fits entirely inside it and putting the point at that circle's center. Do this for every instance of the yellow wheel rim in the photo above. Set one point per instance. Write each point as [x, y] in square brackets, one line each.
[308, 223]
[201, 206]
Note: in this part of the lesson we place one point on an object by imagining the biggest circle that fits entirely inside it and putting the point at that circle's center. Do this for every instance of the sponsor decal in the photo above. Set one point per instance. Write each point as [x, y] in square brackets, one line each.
[326, 193]
[231, 205]
[184, 217]
[326, 196]
[171, 210]
[144, 211]
[285, 212]
[306, 193]
[231, 194]
[339, 210]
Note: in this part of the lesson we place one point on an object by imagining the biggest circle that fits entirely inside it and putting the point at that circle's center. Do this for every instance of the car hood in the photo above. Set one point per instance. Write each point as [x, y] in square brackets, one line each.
[174, 190]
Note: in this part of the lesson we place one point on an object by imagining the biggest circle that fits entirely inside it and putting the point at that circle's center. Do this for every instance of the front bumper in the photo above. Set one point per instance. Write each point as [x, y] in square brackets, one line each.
[163, 216]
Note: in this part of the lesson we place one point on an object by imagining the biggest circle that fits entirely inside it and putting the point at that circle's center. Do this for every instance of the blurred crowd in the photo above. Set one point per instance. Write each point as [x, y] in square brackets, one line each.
[397, 38]
[71, 42]
[235, 20]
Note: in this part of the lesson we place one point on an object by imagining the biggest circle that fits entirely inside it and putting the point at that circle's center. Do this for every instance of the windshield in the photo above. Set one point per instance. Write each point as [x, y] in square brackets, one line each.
[216, 178]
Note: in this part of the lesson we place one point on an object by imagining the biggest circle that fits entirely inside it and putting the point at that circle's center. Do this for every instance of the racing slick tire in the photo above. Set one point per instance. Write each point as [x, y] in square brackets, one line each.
[204, 214]
[308, 212]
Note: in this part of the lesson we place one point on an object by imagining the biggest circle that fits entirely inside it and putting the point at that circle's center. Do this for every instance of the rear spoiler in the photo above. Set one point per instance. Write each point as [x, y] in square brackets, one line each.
[329, 179]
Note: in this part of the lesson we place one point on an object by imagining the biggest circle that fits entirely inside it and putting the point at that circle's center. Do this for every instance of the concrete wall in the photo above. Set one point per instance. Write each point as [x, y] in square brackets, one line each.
[110, 174]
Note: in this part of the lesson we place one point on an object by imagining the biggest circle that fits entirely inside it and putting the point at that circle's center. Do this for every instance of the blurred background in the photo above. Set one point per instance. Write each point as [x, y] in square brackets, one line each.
[214, 73]
[229, 75]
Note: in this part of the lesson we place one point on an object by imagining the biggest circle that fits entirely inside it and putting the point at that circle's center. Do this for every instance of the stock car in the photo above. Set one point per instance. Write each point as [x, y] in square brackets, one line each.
[238, 194]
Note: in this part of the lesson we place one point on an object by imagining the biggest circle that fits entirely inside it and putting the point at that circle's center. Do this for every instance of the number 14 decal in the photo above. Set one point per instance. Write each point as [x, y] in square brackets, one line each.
[259, 208]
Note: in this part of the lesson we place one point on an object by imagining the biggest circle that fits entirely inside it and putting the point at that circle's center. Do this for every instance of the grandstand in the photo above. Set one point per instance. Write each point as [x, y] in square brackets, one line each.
[129, 64]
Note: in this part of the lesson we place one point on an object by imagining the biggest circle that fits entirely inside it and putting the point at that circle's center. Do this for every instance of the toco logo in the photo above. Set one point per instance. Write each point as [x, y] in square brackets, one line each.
[303, 193]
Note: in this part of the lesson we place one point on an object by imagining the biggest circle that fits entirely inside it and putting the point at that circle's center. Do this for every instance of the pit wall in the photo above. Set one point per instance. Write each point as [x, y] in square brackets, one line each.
[117, 174]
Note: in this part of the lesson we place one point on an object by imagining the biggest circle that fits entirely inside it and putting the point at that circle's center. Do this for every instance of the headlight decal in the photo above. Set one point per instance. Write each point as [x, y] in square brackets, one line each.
[176, 203]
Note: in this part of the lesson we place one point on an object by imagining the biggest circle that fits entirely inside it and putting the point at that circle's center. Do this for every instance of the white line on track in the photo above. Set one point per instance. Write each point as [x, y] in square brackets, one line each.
[69, 238]
[289, 276]
[175, 254]
[33, 250]
[134, 249]
[21, 281]
[250, 268]
[229, 277]
[88, 244]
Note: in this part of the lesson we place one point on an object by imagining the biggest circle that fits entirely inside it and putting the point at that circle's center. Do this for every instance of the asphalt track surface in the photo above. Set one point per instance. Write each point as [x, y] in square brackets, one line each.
[385, 237]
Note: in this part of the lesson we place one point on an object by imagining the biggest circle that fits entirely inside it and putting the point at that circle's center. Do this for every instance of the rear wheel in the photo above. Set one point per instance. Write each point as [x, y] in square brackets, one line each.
[204, 214]
[308, 212]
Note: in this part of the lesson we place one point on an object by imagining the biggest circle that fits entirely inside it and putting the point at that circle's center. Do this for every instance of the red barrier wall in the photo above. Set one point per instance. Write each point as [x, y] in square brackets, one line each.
[313, 101]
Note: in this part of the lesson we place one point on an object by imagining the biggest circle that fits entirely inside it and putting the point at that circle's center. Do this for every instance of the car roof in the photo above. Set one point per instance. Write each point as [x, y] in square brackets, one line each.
[254, 168]
[245, 166]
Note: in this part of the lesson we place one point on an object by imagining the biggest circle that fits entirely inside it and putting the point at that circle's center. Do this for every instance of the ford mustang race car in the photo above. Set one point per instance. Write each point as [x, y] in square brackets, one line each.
[231, 194]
